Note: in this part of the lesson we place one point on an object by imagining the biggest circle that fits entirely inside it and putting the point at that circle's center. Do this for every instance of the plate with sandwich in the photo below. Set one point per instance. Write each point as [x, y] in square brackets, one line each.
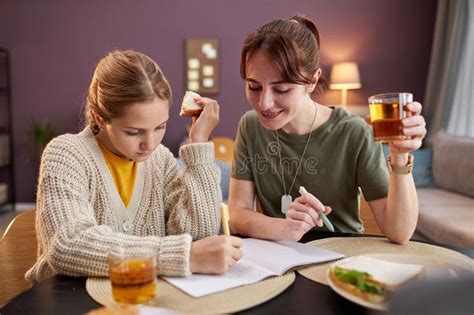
[189, 108]
[370, 280]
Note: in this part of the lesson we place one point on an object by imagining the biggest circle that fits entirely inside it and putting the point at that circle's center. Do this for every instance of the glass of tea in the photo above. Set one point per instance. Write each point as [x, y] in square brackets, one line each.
[132, 272]
[386, 113]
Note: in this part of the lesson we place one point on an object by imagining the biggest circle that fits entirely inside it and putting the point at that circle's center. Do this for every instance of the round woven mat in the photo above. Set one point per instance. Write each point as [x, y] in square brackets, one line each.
[355, 246]
[230, 301]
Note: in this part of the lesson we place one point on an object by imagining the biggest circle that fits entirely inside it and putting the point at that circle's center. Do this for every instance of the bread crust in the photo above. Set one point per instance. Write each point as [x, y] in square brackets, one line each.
[190, 112]
[189, 108]
[352, 289]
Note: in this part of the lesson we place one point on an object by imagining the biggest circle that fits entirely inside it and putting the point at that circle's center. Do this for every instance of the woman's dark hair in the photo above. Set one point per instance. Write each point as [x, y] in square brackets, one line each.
[292, 44]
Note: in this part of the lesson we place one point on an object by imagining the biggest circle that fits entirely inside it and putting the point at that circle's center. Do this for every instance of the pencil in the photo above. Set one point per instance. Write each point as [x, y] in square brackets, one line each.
[225, 218]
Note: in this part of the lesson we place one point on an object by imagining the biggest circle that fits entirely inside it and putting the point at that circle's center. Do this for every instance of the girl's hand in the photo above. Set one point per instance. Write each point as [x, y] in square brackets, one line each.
[206, 122]
[215, 254]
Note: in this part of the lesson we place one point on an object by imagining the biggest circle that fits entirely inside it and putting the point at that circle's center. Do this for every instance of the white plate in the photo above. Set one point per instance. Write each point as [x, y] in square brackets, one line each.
[434, 268]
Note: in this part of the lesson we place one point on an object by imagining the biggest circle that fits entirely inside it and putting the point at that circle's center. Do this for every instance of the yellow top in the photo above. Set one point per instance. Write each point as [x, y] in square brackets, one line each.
[123, 172]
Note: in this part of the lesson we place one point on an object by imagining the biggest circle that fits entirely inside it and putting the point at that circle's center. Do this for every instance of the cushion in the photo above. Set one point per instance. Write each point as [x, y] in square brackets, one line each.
[453, 163]
[225, 168]
[445, 217]
[422, 169]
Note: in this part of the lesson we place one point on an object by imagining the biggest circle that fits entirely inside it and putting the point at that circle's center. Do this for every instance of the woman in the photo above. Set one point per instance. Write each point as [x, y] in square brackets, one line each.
[114, 183]
[289, 140]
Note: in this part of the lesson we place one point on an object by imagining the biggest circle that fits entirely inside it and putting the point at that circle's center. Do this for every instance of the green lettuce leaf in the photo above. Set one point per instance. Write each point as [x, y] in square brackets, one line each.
[359, 279]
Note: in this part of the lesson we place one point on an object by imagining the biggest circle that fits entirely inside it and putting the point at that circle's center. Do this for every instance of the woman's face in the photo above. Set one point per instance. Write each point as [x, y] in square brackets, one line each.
[277, 102]
[136, 134]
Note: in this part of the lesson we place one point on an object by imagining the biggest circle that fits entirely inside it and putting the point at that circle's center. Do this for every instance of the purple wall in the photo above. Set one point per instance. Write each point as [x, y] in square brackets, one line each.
[55, 45]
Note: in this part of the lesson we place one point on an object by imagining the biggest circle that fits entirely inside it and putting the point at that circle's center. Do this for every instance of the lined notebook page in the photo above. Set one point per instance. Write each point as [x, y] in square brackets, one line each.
[244, 272]
[261, 260]
[281, 256]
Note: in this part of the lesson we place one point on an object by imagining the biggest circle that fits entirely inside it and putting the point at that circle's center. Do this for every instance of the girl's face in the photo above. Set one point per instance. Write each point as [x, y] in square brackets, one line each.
[136, 134]
[277, 102]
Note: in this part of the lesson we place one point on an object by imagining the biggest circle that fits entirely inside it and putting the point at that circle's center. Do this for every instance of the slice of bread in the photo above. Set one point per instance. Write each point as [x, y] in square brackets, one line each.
[352, 289]
[189, 108]
[391, 274]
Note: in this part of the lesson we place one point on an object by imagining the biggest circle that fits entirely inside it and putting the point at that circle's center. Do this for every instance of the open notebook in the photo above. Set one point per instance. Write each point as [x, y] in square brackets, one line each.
[261, 259]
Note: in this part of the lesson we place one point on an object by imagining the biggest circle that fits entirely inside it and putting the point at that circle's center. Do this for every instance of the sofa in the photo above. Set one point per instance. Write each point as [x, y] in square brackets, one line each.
[445, 186]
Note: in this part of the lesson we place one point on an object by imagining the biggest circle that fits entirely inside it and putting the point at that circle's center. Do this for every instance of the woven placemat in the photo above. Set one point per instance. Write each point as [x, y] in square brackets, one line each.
[355, 246]
[229, 301]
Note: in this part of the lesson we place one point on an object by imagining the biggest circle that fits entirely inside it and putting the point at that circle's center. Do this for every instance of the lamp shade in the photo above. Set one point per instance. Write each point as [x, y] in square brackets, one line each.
[345, 75]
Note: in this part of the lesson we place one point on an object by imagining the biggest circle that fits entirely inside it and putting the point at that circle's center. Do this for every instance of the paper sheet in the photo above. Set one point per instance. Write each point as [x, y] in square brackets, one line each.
[261, 260]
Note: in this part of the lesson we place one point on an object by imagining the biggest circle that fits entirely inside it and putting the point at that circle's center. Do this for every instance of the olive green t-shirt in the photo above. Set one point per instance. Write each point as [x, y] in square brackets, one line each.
[341, 157]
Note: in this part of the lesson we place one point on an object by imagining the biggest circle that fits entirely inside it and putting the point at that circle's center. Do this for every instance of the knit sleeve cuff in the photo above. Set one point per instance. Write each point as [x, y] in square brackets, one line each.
[197, 153]
[173, 256]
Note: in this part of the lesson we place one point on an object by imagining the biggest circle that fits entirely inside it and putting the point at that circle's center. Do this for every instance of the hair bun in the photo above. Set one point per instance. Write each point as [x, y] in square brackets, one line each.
[308, 24]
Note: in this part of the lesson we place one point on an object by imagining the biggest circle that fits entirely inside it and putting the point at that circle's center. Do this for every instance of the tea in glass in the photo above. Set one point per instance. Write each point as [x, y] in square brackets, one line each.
[386, 114]
[132, 274]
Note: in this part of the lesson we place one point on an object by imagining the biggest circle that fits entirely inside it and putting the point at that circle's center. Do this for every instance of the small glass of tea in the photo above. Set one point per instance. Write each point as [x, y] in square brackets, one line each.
[132, 272]
[386, 113]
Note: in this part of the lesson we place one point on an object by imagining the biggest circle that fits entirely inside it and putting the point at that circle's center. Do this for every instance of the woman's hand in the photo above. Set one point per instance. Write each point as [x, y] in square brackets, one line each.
[414, 126]
[215, 254]
[206, 122]
[303, 216]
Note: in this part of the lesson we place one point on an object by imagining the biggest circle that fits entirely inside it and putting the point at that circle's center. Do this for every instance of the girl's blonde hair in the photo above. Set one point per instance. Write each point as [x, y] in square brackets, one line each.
[120, 79]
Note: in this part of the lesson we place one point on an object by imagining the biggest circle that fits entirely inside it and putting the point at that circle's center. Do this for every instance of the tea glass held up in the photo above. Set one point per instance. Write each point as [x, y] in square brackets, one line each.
[386, 113]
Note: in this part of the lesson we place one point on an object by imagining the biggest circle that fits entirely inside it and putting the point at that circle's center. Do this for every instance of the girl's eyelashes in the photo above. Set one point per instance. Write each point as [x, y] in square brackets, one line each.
[132, 134]
[138, 132]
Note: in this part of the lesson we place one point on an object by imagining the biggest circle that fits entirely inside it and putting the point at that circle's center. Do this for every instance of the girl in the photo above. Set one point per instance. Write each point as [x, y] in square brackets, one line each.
[114, 183]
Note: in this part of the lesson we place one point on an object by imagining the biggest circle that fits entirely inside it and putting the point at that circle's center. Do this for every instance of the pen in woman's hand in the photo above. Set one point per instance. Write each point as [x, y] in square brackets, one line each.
[321, 214]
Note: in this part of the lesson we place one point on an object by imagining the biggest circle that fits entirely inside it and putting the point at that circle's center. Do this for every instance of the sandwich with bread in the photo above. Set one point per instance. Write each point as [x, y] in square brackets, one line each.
[189, 108]
[372, 279]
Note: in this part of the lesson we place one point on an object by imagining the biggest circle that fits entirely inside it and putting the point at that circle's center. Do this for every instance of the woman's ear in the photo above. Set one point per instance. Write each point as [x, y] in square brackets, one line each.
[316, 76]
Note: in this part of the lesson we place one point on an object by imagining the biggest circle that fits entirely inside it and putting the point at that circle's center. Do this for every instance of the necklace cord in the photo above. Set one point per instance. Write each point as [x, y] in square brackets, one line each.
[302, 156]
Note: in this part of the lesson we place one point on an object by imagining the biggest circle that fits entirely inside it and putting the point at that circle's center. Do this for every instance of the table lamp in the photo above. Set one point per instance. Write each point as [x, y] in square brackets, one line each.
[344, 76]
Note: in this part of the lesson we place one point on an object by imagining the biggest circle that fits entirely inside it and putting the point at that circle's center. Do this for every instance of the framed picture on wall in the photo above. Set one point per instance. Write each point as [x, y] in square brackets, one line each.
[202, 65]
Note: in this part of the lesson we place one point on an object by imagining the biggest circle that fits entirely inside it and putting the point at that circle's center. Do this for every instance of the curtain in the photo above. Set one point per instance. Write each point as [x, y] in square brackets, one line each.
[447, 73]
[461, 119]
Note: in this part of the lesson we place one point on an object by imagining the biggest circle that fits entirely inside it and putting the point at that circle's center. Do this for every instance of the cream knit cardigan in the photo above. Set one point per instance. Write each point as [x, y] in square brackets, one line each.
[79, 213]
